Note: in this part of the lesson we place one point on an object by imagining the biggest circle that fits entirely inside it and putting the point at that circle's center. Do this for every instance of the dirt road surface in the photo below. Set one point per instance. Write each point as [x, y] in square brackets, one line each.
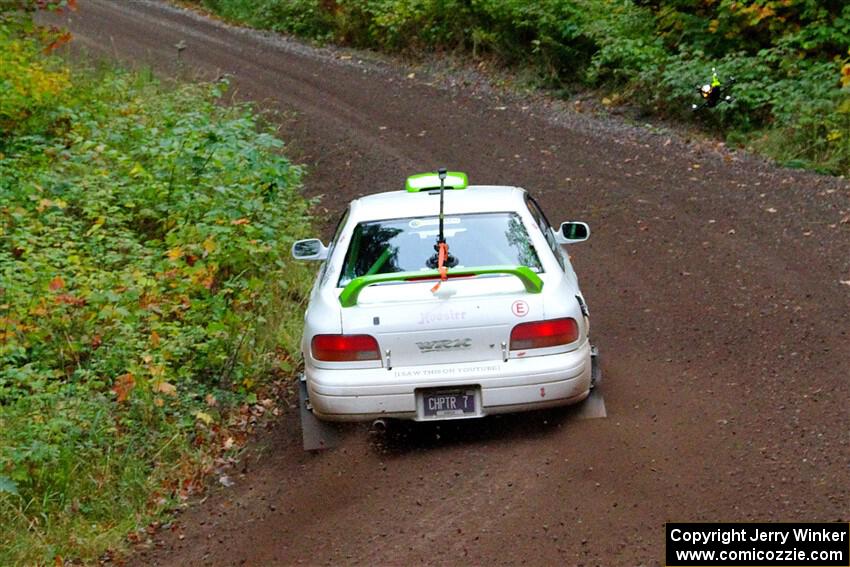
[715, 285]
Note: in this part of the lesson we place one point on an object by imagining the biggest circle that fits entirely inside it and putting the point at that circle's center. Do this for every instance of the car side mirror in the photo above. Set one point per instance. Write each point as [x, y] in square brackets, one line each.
[572, 232]
[309, 249]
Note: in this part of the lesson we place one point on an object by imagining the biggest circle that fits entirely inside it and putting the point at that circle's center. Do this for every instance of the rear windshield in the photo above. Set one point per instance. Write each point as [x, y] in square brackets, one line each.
[407, 245]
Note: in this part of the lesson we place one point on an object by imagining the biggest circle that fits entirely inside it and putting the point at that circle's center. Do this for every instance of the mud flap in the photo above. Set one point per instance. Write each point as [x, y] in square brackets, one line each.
[594, 406]
[316, 434]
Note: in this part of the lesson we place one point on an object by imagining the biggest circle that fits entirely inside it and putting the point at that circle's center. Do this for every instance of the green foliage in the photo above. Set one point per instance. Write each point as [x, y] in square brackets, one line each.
[145, 289]
[789, 56]
[306, 18]
[32, 89]
[816, 27]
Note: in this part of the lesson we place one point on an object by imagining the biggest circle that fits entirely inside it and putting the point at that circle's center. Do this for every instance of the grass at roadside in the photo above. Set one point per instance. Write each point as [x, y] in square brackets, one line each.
[790, 58]
[146, 295]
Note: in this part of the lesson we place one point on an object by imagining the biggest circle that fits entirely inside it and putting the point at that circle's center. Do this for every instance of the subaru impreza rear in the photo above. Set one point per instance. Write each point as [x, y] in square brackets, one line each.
[428, 314]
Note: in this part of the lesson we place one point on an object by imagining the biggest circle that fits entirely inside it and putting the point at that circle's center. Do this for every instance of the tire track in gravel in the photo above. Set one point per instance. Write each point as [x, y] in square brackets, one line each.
[713, 283]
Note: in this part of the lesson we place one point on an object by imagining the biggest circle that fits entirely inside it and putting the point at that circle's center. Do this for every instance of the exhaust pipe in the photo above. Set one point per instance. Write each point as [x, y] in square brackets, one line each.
[379, 426]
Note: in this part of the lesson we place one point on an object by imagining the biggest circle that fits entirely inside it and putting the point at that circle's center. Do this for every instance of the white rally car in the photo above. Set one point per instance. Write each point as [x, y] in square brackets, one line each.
[439, 304]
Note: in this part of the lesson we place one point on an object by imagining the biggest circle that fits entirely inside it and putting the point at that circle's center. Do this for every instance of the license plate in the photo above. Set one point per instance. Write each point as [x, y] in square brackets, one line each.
[448, 403]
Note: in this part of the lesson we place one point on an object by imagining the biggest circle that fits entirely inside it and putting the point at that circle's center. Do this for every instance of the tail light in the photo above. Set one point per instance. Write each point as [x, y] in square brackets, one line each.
[542, 334]
[343, 348]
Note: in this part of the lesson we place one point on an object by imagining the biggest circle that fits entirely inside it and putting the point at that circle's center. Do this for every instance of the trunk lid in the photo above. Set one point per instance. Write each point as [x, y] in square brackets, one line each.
[466, 320]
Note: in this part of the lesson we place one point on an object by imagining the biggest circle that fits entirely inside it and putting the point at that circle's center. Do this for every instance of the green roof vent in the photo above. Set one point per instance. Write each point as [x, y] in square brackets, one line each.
[429, 181]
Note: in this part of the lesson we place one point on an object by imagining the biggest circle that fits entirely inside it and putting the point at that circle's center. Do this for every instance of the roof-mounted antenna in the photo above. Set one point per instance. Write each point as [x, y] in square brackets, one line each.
[442, 174]
[441, 247]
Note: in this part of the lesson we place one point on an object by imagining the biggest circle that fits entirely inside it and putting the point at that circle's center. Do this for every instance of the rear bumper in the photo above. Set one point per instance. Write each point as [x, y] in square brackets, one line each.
[519, 384]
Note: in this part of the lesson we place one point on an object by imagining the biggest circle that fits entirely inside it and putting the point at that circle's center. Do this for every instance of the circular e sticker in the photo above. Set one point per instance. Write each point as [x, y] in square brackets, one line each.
[520, 308]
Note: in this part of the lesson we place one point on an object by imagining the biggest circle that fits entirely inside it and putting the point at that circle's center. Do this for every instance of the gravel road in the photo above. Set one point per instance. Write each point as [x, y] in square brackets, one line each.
[715, 285]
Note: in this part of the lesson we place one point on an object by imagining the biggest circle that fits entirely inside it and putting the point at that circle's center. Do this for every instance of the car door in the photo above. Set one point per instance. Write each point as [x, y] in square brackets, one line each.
[558, 250]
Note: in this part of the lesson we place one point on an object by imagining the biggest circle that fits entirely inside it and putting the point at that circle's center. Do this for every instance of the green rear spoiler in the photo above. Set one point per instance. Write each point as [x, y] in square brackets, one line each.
[350, 293]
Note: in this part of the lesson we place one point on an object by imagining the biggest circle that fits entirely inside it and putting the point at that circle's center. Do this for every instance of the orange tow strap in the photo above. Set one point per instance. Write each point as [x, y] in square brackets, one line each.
[442, 254]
